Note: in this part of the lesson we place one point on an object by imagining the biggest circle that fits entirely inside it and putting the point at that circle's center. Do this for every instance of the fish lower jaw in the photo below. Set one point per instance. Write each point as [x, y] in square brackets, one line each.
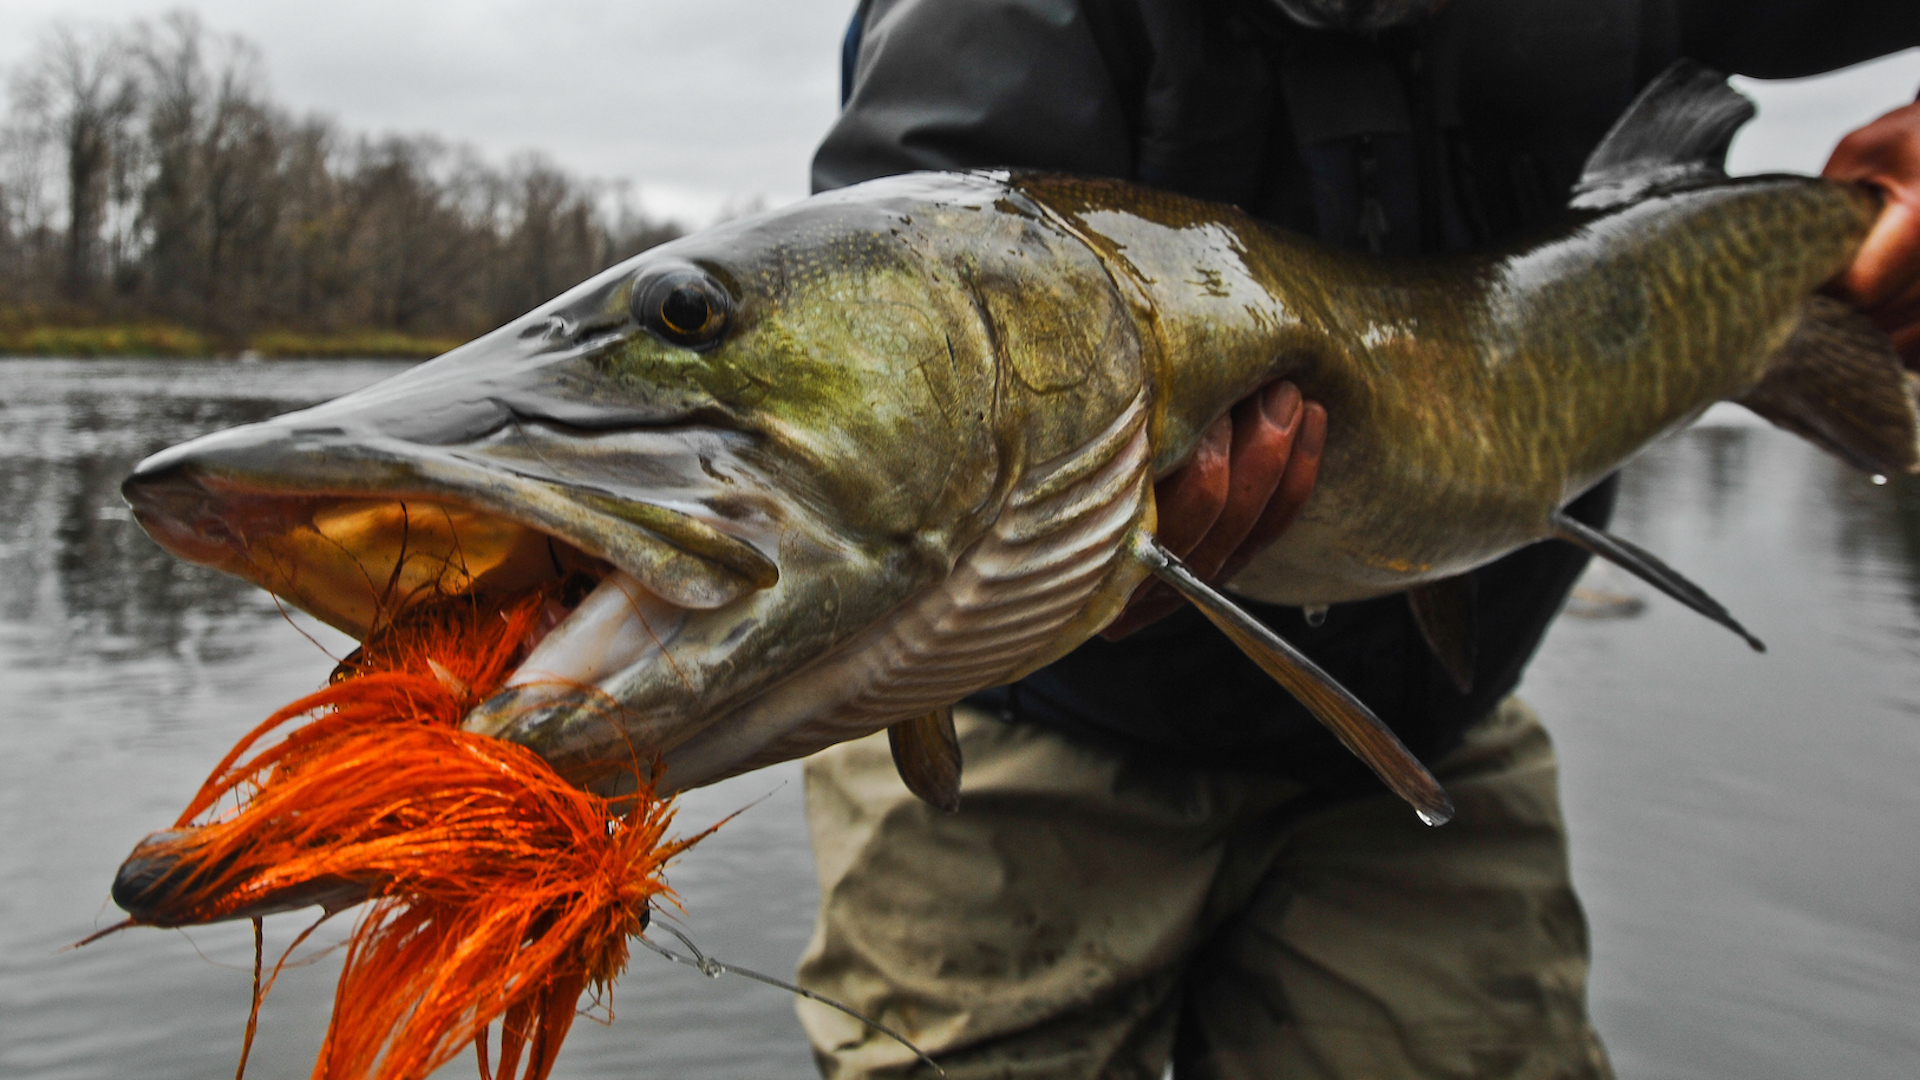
[550, 701]
[619, 624]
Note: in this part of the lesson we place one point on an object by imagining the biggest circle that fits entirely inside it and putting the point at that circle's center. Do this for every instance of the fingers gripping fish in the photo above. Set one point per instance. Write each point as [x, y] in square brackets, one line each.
[832, 468]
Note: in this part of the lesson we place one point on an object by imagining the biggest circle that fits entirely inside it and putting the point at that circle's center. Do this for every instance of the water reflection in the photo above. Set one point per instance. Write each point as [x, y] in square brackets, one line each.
[125, 674]
[1740, 823]
[72, 562]
[1881, 524]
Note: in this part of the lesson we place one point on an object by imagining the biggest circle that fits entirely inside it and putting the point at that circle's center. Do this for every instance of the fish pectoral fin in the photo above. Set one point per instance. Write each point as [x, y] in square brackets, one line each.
[926, 751]
[1446, 611]
[1346, 716]
[1839, 384]
[1648, 568]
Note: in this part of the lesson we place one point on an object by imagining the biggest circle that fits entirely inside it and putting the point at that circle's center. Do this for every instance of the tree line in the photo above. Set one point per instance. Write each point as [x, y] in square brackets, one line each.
[147, 175]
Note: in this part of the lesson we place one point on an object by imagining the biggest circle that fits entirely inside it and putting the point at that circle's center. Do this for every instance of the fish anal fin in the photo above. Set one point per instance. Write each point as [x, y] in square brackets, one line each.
[926, 751]
[1346, 716]
[1674, 136]
[1446, 611]
[1647, 567]
[1839, 384]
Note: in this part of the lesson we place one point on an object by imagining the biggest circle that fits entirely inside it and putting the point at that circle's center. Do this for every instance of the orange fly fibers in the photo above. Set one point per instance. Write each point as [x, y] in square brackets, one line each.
[500, 889]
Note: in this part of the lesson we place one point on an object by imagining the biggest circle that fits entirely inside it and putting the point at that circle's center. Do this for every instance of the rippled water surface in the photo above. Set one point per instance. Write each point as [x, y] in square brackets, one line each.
[124, 675]
[1742, 824]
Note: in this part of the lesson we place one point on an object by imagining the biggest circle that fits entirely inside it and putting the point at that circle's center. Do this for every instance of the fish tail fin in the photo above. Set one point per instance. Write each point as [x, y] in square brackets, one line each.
[1674, 136]
[1839, 384]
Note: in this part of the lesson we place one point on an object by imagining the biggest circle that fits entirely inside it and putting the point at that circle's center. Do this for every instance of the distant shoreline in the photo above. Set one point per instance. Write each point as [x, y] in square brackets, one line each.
[160, 341]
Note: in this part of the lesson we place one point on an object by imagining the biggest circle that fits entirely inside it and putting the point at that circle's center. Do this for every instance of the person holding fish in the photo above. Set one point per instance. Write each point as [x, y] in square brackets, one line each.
[1161, 856]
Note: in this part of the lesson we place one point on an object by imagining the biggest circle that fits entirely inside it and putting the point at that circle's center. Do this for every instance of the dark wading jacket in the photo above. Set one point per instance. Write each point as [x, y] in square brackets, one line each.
[1464, 132]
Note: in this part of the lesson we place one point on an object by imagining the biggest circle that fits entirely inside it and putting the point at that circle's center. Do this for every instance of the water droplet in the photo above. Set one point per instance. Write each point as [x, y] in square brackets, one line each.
[1316, 614]
[1431, 820]
[1879, 481]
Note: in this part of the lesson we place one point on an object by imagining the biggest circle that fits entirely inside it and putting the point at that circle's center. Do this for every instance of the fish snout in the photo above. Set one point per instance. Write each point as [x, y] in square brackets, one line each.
[174, 509]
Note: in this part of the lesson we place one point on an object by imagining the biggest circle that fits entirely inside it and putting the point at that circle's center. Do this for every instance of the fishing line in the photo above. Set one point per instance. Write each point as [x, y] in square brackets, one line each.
[634, 606]
[399, 561]
[99, 933]
[210, 961]
[713, 969]
[298, 629]
[459, 553]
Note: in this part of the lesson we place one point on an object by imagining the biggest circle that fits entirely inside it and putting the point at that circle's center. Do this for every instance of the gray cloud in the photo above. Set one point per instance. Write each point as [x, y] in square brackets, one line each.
[1801, 119]
[694, 102]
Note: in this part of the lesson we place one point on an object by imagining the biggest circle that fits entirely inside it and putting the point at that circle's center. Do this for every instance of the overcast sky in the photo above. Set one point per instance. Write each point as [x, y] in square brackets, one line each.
[694, 101]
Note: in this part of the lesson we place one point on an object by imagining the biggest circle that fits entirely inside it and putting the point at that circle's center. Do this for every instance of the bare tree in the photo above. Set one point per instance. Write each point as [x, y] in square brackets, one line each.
[155, 154]
[27, 228]
[215, 146]
[81, 93]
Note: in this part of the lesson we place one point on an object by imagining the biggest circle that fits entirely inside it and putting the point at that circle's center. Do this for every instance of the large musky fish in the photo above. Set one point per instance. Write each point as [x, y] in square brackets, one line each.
[832, 468]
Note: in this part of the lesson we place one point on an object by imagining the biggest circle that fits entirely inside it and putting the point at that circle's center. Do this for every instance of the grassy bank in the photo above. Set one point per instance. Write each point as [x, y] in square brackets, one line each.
[122, 340]
[164, 340]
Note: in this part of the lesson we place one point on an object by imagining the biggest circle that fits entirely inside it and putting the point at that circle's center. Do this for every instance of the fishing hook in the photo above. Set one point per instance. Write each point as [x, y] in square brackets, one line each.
[713, 969]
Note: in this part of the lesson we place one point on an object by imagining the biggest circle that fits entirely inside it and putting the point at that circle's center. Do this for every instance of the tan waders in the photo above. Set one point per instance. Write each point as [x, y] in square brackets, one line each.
[1081, 908]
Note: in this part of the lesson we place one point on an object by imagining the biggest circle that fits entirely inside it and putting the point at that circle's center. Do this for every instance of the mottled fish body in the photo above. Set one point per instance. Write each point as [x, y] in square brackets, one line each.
[832, 468]
[1470, 399]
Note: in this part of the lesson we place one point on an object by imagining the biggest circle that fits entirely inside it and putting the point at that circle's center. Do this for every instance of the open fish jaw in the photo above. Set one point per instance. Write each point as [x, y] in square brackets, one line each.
[347, 532]
[651, 635]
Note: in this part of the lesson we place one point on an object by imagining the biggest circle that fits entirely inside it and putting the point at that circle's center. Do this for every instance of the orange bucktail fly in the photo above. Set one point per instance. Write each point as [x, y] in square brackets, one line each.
[499, 890]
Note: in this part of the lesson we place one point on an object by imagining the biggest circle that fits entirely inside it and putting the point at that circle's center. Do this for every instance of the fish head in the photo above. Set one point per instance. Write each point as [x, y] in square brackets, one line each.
[735, 449]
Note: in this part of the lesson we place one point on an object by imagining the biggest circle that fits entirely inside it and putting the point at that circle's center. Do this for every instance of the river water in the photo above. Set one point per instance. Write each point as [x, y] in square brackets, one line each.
[1741, 824]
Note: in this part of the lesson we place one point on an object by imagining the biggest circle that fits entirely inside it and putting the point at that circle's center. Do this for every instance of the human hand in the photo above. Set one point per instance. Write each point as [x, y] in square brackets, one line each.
[1884, 280]
[1251, 473]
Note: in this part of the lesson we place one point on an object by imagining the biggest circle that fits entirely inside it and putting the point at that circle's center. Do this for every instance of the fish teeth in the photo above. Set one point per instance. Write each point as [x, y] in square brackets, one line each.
[618, 625]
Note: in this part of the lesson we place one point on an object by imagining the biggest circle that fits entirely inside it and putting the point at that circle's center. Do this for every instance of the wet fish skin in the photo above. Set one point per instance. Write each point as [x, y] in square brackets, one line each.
[913, 364]
[806, 435]
[1468, 398]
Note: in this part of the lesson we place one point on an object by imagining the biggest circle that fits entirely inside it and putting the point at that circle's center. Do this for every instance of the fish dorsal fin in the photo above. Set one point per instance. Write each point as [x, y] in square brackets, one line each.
[926, 752]
[1674, 136]
[1839, 384]
[1334, 705]
[1648, 568]
[1446, 611]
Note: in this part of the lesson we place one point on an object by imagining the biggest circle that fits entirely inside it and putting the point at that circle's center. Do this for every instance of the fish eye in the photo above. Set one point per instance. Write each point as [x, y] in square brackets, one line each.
[684, 306]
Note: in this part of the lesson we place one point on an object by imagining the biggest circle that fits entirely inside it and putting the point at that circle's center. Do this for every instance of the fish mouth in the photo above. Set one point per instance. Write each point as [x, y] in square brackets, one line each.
[358, 562]
[351, 557]
[355, 534]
